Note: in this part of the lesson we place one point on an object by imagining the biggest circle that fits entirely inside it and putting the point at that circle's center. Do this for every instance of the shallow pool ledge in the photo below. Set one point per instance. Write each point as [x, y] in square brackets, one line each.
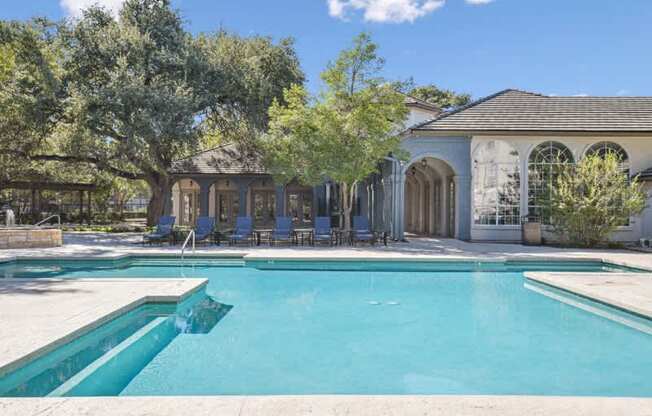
[628, 291]
[38, 315]
[328, 405]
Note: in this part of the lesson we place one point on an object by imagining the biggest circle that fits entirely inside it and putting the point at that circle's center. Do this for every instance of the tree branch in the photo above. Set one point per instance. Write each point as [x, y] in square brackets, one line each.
[100, 164]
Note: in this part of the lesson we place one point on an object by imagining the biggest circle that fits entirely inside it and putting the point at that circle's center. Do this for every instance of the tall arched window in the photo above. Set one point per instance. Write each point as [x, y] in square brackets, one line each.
[496, 184]
[604, 148]
[543, 166]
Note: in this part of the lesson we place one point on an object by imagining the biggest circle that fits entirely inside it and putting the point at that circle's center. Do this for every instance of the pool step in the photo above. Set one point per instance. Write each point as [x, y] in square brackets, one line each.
[110, 374]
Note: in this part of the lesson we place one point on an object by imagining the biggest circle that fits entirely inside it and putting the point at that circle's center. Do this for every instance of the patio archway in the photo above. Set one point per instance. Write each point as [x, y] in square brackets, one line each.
[429, 198]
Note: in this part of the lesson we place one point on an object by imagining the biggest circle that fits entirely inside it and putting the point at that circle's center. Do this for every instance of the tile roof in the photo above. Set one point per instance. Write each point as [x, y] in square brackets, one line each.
[515, 110]
[645, 175]
[411, 101]
[226, 160]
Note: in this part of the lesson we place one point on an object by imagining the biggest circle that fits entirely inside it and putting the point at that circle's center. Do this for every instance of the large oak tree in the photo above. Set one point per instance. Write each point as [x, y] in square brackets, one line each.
[137, 92]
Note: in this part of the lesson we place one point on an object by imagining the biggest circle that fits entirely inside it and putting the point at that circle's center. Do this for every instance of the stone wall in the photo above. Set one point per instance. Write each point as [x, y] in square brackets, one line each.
[30, 238]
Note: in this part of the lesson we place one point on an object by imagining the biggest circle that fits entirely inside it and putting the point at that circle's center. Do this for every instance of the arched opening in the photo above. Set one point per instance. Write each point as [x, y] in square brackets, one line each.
[430, 198]
[185, 197]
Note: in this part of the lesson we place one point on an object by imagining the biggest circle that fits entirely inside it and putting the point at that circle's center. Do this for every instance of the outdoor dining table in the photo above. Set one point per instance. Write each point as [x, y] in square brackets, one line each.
[302, 235]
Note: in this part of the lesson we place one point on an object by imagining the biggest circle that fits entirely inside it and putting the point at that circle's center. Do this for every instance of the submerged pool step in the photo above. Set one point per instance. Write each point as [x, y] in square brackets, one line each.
[110, 374]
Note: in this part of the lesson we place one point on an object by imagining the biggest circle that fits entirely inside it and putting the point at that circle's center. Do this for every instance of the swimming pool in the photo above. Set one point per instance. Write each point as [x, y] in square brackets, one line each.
[377, 328]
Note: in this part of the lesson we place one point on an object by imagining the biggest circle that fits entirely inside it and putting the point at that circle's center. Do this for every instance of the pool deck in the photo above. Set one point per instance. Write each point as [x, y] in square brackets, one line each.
[330, 405]
[37, 315]
[105, 245]
[629, 291]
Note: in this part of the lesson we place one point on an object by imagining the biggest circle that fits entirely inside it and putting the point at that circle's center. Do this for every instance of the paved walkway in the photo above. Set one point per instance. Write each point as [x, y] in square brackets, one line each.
[115, 245]
[629, 291]
[37, 315]
[330, 405]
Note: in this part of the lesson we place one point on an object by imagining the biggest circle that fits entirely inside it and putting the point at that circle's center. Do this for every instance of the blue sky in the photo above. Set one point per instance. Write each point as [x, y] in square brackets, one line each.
[563, 47]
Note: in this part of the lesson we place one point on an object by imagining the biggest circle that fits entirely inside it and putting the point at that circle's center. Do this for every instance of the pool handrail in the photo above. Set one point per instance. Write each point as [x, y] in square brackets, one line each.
[57, 216]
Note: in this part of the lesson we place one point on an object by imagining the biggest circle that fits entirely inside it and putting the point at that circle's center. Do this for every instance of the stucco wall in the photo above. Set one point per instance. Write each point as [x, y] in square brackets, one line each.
[454, 151]
[639, 150]
[418, 115]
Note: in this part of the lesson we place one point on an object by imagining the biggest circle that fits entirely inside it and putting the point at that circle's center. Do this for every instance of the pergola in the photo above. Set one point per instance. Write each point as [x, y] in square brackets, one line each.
[36, 186]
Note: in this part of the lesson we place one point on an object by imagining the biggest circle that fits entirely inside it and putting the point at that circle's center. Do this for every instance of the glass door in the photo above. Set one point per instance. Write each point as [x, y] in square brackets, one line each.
[300, 207]
[227, 205]
[263, 208]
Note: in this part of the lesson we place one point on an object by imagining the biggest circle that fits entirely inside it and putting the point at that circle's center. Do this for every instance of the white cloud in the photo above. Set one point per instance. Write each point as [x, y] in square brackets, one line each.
[384, 11]
[75, 7]
[479, 1]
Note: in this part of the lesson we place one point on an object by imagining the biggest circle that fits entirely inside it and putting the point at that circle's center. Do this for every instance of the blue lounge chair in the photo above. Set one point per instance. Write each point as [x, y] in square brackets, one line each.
[244, 231]
[323, 231]
[362, 231]
[204, 228]
[163, 231]
[283, 231]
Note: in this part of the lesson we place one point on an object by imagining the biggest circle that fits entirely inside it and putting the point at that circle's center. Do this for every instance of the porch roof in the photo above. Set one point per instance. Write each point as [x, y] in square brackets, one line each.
[515, 110]
[227, 159]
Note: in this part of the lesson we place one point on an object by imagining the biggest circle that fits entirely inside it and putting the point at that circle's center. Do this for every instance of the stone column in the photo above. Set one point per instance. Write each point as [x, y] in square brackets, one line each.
[444, 215]
[280, 201]
[204, 196]
[388, 204]
[363, 196]
[327, 199]
[399, 209]
[462, 207]
[243, 186]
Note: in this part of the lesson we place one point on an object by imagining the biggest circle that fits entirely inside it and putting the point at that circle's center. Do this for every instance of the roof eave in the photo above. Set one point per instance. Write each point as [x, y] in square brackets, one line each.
[516, 132]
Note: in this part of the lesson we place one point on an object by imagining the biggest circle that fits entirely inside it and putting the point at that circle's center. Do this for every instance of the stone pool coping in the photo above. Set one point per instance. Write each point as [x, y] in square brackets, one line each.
[39, 315]
[329, 405]
[631, 292]
[334, 256]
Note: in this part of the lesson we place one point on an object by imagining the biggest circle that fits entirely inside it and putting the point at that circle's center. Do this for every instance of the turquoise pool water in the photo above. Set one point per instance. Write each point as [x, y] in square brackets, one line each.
[380, 328]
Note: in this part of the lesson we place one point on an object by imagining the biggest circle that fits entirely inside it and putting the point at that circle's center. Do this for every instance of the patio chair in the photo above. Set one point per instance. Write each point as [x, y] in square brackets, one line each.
[323, 231]
[204, 229]
[243, 231]
[164, 231]
[362, 231]
[283, 231]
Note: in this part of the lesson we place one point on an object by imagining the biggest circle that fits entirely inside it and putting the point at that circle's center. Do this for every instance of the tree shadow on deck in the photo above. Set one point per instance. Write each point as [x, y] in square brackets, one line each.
[36, 287]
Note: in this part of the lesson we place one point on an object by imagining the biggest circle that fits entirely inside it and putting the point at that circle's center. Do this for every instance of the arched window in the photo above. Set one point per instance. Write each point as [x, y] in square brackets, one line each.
[496, 184]
[602, 149]
[543, 166]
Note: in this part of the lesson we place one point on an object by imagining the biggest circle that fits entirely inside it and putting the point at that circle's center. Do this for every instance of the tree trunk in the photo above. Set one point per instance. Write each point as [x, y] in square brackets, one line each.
[348, 196]
[160, 187]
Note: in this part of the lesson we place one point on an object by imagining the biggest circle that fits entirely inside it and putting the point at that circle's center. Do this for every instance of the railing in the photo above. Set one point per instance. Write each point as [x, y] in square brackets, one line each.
[185, 243]
[38, 224]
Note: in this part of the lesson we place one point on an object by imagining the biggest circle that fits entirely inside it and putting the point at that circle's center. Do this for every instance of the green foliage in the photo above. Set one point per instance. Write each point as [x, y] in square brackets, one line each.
[342, 134]
[254, 72]
[589, 200]
[130, 95]
[442, 98]
[30, 97]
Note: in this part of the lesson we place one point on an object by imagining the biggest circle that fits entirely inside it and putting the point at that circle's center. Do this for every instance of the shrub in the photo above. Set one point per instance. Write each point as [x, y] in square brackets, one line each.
[591, 199]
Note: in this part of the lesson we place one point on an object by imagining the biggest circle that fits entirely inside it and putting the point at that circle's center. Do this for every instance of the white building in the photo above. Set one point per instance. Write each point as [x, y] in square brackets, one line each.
[473, 173]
